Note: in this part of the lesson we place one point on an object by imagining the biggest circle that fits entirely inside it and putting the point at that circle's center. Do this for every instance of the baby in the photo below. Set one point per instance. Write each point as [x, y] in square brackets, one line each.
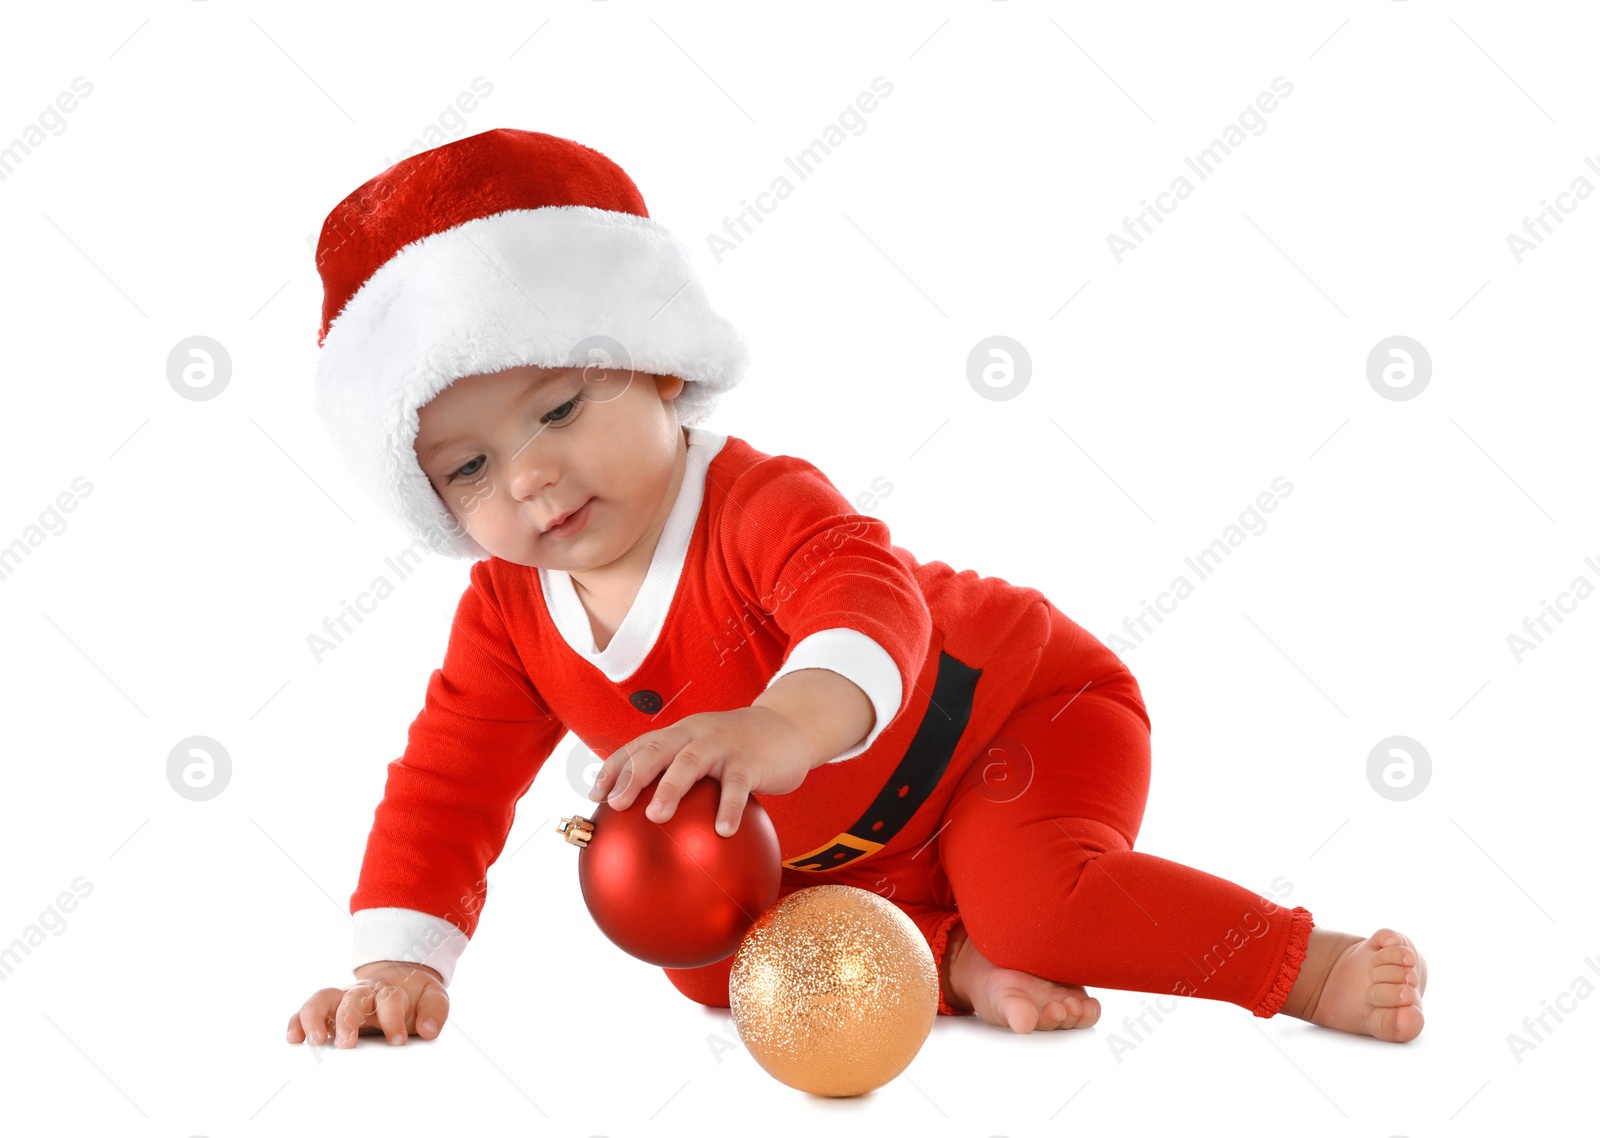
[515, 358]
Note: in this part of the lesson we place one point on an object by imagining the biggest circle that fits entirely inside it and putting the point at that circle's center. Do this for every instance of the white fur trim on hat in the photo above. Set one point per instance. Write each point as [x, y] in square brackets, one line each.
[518, 288]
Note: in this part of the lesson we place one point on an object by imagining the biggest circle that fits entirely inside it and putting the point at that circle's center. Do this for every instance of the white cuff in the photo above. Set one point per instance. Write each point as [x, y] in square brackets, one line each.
[409, 935]
[861, 660]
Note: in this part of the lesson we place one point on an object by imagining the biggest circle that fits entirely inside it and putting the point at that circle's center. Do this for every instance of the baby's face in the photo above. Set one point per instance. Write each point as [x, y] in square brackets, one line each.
[512, 451]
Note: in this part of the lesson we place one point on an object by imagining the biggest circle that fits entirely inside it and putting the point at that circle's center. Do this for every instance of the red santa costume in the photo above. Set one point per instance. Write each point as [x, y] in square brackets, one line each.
[1009, 749]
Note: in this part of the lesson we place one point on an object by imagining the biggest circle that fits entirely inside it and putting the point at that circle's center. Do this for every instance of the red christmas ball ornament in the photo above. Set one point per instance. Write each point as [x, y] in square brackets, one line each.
[676, 894]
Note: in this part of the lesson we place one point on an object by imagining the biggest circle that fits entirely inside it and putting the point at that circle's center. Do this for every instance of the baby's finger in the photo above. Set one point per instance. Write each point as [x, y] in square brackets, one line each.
[604, 777]
[617, 796]
[354, 1013]
[392, 1008]
[734, 792]
[684, 772]
[640, 762]
[310, 1023]
[433, 1006]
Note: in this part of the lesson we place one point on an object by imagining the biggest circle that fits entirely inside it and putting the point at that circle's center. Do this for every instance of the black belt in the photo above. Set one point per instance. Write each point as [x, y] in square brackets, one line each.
[918, 772]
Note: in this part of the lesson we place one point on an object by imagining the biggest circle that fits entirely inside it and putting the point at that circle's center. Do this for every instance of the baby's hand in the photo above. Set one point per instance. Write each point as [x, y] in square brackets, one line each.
[747, 749]
[390, 997]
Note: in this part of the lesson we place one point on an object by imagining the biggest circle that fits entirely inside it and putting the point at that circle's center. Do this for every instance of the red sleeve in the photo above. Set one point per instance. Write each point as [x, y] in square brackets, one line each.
[797, 551]
[471, 754]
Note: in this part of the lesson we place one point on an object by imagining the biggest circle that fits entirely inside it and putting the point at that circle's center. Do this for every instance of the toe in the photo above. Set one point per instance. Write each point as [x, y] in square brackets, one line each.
[1392, 995]
[1020, 1013]
[1394, 974]
[1394, 954]
[1396, 1025]
[1082, 1008]
[1390, 940]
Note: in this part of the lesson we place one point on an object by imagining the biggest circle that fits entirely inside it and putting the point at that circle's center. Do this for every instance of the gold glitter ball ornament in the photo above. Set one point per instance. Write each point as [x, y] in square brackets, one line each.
[833, 990]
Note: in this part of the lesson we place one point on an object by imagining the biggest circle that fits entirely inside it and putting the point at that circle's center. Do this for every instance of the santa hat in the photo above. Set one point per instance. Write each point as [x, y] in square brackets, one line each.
[504, 249]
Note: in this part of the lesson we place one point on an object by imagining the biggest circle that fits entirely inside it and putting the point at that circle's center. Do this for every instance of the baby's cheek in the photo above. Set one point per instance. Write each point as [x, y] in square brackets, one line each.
[464, 499]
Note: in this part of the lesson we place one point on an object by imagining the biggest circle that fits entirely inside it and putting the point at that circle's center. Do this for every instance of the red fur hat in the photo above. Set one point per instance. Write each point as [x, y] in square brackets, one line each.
[503, 249]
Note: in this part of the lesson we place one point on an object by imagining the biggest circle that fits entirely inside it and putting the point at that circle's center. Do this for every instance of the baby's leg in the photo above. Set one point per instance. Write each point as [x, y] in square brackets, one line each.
[1046, 880]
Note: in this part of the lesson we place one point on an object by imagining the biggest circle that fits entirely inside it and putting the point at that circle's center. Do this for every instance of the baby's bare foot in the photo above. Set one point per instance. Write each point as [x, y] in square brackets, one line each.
[1375, 988]
[1006, 997]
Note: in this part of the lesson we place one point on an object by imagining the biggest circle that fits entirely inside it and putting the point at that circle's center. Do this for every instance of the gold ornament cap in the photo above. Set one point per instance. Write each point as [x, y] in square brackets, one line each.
[578, 829]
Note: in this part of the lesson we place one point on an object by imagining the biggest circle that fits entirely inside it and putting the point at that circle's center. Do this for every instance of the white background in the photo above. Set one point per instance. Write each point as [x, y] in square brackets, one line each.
[178, 199]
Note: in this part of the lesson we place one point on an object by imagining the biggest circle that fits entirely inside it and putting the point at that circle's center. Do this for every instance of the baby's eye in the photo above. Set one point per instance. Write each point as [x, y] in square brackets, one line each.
[467, 471]
[569, 406]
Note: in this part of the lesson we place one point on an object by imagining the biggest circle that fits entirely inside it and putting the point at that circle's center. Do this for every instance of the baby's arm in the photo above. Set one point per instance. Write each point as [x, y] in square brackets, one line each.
[836, 588]
[447, 808]
[829, 708]
[449, 801]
